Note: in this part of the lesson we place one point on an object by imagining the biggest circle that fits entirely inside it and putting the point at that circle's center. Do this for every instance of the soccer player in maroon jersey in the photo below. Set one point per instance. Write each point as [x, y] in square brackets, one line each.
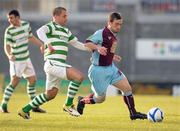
[103, 72]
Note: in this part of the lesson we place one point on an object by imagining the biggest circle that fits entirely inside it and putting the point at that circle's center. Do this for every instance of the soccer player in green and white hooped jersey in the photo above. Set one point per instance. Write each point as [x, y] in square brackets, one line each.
[16, 39]
[56, 38]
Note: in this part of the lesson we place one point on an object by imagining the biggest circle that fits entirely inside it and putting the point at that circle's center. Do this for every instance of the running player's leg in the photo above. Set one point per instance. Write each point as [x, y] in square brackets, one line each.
[70, 73]
[120, 81]
[53, 76]
[31, 87]
[52, 84]
[124, 86]
[93, 98]
[51, 91]
[16, 69]
[29, 74]
[8, 92]
[75, 77]
[32, 92]
[100, 81]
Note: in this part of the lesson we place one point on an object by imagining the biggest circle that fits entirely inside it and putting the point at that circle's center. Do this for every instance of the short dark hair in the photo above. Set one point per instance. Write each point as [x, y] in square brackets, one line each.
[58, 10]
[14, 12]
[114, 16]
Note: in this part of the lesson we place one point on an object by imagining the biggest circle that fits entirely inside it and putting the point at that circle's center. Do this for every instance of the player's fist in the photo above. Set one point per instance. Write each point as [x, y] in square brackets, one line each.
[117, 58]
[12, 57]
[42, 49]
[102, 50]
[50, 48]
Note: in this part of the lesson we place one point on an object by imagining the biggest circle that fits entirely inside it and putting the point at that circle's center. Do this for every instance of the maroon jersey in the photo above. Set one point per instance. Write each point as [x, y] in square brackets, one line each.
[106, 38]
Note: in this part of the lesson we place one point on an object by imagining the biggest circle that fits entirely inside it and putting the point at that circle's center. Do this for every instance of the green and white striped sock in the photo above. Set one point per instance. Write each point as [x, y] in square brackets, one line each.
[31, 91]
[72, 90]
[37, 101]
[7, 94]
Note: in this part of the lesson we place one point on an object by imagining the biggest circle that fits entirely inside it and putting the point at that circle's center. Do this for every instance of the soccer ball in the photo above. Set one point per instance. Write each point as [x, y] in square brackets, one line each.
[155, 115]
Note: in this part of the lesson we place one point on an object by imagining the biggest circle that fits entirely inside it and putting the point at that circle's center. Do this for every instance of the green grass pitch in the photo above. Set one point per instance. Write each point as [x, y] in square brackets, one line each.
[112, 115]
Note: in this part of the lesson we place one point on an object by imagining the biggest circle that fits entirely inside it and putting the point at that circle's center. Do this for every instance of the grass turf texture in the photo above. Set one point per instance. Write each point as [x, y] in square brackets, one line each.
[110, 115]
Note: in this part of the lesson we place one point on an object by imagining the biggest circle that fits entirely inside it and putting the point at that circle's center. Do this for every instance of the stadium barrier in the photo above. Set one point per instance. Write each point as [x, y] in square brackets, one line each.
[176, 90]
[85, 88]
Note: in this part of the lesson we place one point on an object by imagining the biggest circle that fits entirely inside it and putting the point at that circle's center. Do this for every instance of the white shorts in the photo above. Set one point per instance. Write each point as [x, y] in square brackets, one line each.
[21, 68]
[55, 71]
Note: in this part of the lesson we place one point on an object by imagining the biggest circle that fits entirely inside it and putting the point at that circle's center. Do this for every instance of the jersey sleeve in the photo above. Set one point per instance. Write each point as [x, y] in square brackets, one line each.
[96, 38]
[41, 33]
[7, 38]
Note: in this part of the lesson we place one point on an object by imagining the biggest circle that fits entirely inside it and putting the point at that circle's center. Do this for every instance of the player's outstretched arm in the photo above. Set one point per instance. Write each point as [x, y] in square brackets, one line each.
[117, 58]
[101, 49]
[79, 45]
[37, 42]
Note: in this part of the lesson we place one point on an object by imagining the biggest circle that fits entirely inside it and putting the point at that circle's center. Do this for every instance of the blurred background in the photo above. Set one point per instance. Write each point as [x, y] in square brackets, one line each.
[149, 42]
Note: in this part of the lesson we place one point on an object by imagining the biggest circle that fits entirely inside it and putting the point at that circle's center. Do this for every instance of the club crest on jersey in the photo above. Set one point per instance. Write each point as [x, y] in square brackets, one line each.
[109, 37]
[113, 47]
[64, 38]
[22, 39]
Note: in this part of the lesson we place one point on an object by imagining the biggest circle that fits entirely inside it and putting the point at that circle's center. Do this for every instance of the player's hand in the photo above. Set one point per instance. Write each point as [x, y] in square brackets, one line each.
[42, 49]
[102, 50]
[50, 48]
[117, 58]
[12, 57]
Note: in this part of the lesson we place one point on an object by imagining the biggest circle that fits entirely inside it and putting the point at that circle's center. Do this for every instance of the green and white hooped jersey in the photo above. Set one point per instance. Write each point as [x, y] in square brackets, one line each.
[59, 37]
[17, 38]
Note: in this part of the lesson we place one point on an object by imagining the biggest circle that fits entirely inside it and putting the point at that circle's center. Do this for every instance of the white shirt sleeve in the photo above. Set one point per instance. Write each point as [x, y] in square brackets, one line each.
[41, 32]
[79, 45]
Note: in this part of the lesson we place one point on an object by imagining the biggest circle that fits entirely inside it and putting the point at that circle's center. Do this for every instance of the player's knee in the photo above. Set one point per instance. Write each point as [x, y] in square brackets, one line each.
[127, 93]
[15, 78]
[126, 89]
[32, 83]
[100, 99]
[14, 81]
[32, 80]
[80, 77]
